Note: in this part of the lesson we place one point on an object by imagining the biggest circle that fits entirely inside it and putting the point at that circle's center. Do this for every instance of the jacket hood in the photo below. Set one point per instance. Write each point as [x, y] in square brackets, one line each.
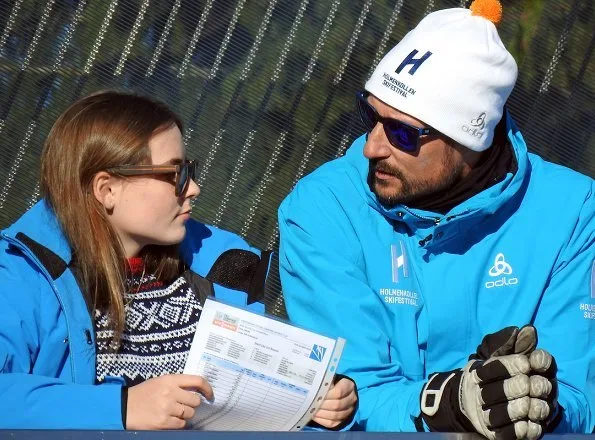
[487, 202]
[41, 225]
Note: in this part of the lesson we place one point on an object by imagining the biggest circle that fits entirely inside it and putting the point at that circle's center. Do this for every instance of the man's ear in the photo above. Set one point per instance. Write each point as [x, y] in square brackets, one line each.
[106, 189]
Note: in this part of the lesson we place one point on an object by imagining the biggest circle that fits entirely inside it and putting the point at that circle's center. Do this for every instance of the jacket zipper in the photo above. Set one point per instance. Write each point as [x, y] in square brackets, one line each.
[435, 220]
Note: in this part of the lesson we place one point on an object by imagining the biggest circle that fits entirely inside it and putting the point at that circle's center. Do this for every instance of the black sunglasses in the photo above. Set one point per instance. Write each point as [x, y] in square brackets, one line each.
[400, 134]
[184, 172]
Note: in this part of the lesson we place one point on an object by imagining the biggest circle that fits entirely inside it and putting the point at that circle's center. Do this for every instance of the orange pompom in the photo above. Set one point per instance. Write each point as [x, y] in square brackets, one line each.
[488, 9]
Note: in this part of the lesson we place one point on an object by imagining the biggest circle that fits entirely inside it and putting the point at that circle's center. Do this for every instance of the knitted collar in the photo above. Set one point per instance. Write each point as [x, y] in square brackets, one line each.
[135, 265]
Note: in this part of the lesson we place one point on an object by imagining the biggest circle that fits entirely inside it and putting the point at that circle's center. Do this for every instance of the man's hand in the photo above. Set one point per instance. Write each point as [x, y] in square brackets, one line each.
[542, 376]
[491, 398]
[338, 405]
[509, 340]
[165, 402]
[543, 406]
[507, 390]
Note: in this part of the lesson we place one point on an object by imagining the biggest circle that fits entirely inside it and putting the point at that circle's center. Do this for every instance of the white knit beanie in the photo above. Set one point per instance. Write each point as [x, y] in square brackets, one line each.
[452, 72]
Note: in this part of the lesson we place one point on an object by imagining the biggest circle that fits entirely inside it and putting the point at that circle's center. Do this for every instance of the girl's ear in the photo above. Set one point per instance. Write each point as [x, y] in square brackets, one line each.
[106, 189]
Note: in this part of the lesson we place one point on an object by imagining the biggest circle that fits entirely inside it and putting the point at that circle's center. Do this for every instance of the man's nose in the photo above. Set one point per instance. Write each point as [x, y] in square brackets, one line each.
[377, 145]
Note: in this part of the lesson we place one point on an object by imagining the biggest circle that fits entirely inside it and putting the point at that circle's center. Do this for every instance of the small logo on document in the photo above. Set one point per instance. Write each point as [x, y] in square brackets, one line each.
[499, 270]
[226, 321]
[317, 353]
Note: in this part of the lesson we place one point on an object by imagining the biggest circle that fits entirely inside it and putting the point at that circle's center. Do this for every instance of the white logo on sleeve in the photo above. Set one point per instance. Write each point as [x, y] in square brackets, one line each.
[593, 280]
[500, 269]
[588, 309]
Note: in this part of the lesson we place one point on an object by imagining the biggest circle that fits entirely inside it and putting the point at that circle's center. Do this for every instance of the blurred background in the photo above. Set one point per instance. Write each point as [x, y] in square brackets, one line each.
[266, 88]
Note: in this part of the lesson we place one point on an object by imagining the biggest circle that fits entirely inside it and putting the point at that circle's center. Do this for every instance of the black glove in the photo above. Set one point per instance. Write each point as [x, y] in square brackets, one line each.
[509, 340]
[489, 397]
[507, 390]
[543, 407]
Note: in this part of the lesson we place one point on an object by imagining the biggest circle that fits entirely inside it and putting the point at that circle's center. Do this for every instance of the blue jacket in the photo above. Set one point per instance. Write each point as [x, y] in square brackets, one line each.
[414, 292]
[47, 347]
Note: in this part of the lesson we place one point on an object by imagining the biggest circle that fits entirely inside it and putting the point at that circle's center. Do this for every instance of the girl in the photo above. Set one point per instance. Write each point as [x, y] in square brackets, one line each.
[98, 307]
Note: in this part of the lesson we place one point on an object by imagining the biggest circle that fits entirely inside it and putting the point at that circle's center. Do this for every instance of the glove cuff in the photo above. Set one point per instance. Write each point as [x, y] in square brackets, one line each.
[439, 402]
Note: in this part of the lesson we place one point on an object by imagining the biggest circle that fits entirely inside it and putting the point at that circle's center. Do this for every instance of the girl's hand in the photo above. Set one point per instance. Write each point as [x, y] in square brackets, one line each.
[338, 405]
[165, 402]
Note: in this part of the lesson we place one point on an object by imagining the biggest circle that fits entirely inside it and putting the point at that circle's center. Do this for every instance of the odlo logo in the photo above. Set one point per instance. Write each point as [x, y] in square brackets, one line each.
[476, 126]
[499, 270]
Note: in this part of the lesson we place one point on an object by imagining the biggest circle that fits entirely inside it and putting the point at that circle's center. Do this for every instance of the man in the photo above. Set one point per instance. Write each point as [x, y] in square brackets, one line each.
[438, 229]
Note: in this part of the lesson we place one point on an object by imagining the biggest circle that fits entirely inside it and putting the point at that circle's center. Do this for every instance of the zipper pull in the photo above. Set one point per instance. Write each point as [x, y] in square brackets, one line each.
[88, 337]
[423, 242]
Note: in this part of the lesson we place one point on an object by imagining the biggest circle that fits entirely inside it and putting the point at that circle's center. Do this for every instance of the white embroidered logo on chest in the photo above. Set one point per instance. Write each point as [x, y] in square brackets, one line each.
[499, 270]
[399, 261]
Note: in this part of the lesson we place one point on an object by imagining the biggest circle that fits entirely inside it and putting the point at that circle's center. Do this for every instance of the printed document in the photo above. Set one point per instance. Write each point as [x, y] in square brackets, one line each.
[266, 374]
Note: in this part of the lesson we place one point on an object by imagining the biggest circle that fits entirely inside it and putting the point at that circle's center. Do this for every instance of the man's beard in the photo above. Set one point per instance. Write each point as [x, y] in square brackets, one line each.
[411, 190]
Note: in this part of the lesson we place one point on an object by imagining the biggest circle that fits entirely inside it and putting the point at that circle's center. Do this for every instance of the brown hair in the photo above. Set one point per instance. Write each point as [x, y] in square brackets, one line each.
[99, 131]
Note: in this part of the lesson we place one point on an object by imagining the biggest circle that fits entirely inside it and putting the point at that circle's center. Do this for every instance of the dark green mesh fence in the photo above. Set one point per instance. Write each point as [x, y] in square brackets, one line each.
[266, 88]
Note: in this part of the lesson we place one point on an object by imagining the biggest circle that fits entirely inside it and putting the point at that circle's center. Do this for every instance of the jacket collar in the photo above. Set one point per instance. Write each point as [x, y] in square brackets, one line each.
[486, 203]
[41, 225]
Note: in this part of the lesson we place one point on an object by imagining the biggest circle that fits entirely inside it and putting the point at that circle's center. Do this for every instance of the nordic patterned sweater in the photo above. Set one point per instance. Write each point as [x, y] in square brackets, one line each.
[159, 327]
